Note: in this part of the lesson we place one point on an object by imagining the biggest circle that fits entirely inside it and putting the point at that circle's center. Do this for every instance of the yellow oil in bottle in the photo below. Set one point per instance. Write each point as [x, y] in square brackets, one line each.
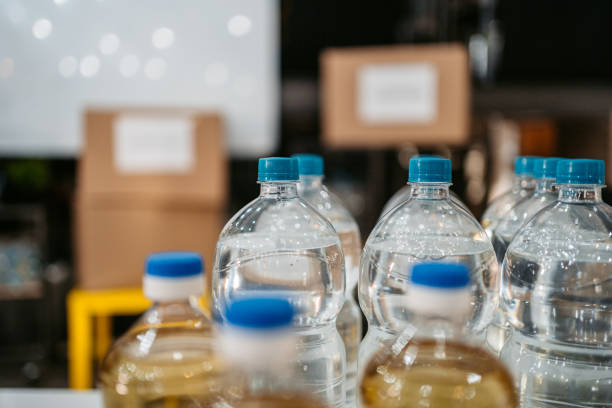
[278, 401]
[432, 374]
[169, 365]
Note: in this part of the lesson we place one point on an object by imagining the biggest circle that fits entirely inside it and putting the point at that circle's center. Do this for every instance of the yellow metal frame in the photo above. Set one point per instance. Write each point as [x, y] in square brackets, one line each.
[86, 307]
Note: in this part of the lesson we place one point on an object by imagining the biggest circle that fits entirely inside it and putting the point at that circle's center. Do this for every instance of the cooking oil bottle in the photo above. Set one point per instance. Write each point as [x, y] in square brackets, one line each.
[432, 363]
[259, 343]
[167, 358]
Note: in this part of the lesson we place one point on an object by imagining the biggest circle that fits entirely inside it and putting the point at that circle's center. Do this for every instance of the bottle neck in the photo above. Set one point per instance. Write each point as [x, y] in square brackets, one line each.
[311, 182]
[545, 185]
[424, 327]
[278, 189]
[175, 310]
[261, 358]
[430, 191]
[523, 182]
[572, 193]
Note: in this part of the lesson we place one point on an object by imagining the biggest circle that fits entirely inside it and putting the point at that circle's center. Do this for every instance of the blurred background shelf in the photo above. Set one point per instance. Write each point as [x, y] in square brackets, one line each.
[560, 100]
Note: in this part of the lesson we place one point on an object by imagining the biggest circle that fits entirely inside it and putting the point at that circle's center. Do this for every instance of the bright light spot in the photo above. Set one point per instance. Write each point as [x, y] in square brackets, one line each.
[89, 66]
[7, 67]
[109, 44]
[60, 2]
[163, 38]
[155, 68]
[177, 355]
[16, 13]
[244, 86]
[129, 66]
[216, 74]
[68, 66]
[42, 28]
[239, 25]
[473, 378]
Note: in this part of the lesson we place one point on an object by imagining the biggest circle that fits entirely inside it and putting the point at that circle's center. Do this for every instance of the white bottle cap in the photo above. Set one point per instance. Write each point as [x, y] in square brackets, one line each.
[440, 289]
[257, 333]
[173, 276]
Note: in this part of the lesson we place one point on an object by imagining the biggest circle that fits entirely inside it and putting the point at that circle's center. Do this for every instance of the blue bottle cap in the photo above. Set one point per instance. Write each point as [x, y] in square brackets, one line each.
[523, 165]
[174, 264]
[260, 313]
[278, 169]
[440, 275]
[309, 164]
[545, 167]
[581, 171]
[429, 169]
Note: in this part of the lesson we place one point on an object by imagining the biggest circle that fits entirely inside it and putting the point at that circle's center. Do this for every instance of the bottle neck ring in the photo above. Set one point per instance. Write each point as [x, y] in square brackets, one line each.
[278, 189]
[575, 193]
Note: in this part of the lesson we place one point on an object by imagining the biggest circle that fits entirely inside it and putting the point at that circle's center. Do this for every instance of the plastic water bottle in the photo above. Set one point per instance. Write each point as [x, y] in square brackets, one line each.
[557, 295]
[257, 342]
[279, 246]
[522, 187]
[434, 362]
[403, 194]
[167, 358]
[312, 190]
[544, 173]
[428, 227]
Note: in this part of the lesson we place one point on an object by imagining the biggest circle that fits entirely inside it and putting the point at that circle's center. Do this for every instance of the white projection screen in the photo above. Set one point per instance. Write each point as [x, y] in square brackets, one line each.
[58, 57]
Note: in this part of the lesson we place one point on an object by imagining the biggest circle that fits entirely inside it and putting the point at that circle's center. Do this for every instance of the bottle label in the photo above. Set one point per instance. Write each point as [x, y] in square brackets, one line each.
[145, 144]
[397, 93]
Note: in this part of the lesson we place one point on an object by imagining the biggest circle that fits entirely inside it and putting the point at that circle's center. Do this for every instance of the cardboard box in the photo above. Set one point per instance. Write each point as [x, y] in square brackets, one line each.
[381, 97]
[112, 163]
[115, 239]
[134, 199]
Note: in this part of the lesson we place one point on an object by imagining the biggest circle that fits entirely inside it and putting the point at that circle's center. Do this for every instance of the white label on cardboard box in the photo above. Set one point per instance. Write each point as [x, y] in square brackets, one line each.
[396, 93]
[145, 144]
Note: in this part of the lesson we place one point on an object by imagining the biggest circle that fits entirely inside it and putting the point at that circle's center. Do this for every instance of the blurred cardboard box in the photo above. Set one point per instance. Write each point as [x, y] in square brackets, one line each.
[381, 97]
[148, 180]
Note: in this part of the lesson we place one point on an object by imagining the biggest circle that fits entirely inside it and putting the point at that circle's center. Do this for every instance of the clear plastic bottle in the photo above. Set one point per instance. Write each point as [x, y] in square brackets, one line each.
[312, 190]
[434, 362]
[278, 245]
[403, 194]
[427, 227]
[523, 187]
[557, 295]
[258, 343]
[168, 357]
[544, 173]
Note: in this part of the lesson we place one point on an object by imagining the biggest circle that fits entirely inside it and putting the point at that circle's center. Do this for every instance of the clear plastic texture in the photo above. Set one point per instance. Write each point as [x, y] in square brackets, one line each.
[523, 186]
[167, 358]
[434, 361]
[403, 194]
[427, 227]
[545, 194]
[279, 246]
[557, 294]
[349, 323]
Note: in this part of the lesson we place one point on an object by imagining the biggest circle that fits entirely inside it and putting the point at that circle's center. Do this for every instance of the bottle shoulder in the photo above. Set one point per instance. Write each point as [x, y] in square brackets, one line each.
[567, 231]
[332, 208]
[419, 218]
[522, 212]
[278, 216]
[501, 205]
[150, 343]
[443, 368]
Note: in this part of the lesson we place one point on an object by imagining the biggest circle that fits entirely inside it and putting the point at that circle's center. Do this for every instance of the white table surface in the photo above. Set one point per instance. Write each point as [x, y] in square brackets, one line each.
[49, 398]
